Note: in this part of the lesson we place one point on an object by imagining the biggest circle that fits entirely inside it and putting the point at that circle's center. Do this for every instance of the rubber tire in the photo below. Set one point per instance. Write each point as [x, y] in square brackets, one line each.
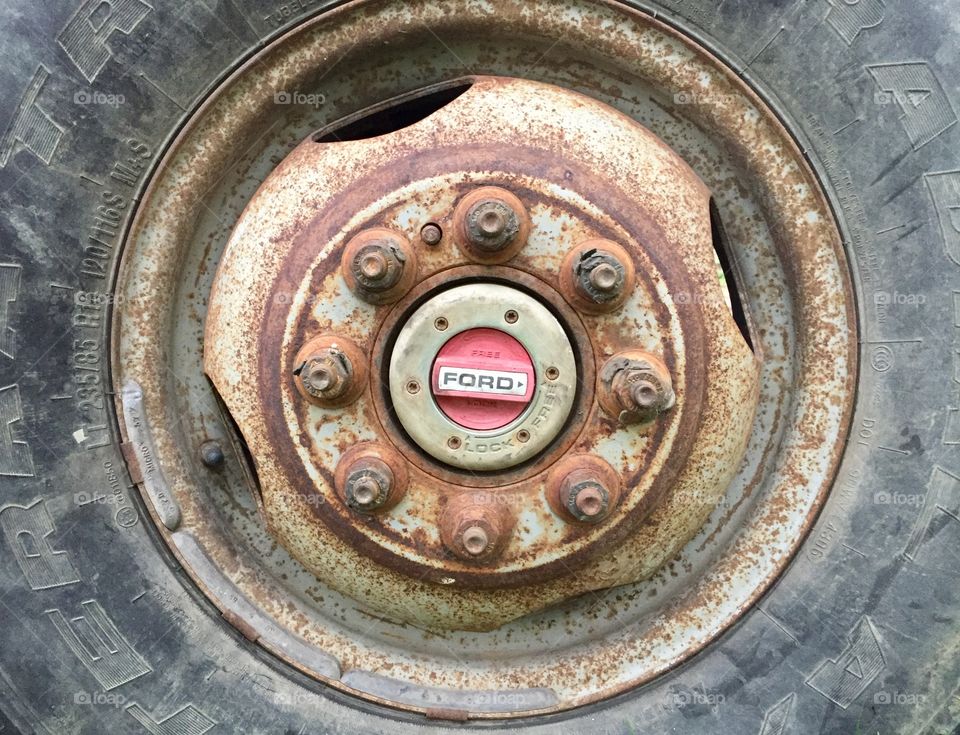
[859, 635]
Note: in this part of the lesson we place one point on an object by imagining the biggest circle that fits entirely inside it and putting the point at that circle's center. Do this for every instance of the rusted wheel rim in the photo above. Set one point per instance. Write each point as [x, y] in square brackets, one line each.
[798, 306]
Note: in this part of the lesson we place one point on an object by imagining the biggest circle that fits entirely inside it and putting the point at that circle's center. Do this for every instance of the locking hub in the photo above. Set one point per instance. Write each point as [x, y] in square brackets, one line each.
[501, 373]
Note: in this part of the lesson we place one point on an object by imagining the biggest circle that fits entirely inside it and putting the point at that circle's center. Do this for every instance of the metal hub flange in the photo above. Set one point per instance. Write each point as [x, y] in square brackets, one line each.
[513, 187]
[478, 306]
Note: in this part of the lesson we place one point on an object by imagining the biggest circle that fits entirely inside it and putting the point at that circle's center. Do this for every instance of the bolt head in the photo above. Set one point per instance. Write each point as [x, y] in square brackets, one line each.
[326, 375]
[431, 234]
[600, 277]
[491, 225]
[211, 454]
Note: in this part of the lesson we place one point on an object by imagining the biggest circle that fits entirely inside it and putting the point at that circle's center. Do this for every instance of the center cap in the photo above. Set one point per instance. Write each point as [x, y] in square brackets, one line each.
[483, 379]
[482, 376]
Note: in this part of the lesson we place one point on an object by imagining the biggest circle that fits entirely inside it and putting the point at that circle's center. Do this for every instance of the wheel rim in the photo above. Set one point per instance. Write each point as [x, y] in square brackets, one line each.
[798, 305]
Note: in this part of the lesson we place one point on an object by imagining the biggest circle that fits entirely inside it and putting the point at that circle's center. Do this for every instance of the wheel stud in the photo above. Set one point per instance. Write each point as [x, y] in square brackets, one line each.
[368, 485]
[492, 224]
[585, 497]
[431, 234]
[326, 375]
[473, 528]
[635, 387]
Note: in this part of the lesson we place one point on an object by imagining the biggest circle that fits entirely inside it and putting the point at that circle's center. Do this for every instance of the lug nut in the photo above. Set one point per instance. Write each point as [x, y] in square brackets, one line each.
[379, 265]
[635, 387]
[330, 371]
[585, 497]
[492, 224]
[371, 478]
[473, 528]
[368, 484]
[583, 488]
[597, 276]
[326, 375]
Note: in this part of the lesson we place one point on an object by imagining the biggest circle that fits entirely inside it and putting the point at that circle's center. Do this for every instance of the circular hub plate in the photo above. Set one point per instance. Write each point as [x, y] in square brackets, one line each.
[509, 343]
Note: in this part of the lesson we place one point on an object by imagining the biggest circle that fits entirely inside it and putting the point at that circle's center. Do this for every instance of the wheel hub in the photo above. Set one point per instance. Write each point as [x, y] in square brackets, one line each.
[534, 386]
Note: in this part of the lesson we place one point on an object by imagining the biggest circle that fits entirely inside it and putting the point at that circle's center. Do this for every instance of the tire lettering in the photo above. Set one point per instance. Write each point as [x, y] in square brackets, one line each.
[95, 640]
[85, 36]
[844, 679]
[927, 111]
[31, 127]
[27, 531]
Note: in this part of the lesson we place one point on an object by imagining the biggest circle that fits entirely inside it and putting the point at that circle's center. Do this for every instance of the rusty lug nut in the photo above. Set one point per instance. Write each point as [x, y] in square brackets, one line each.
[371, 478]
[368, 485]
[635, 387]
[601, 277]
[379, 265]
[597, 276]
[326, 375]
[330, 371]
[583, 488]
[475, 529]
[492, 224]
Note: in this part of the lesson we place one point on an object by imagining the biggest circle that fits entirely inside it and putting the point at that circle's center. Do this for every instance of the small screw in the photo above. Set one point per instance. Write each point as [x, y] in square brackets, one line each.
[441, 324]
[431, 234]
[552, 373]
[511, 317]
[211, 454]
[413, 387]
[523, 436]
[454, 442]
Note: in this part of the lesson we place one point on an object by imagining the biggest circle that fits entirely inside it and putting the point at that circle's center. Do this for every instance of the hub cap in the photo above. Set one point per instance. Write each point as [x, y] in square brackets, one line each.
[501, 372]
